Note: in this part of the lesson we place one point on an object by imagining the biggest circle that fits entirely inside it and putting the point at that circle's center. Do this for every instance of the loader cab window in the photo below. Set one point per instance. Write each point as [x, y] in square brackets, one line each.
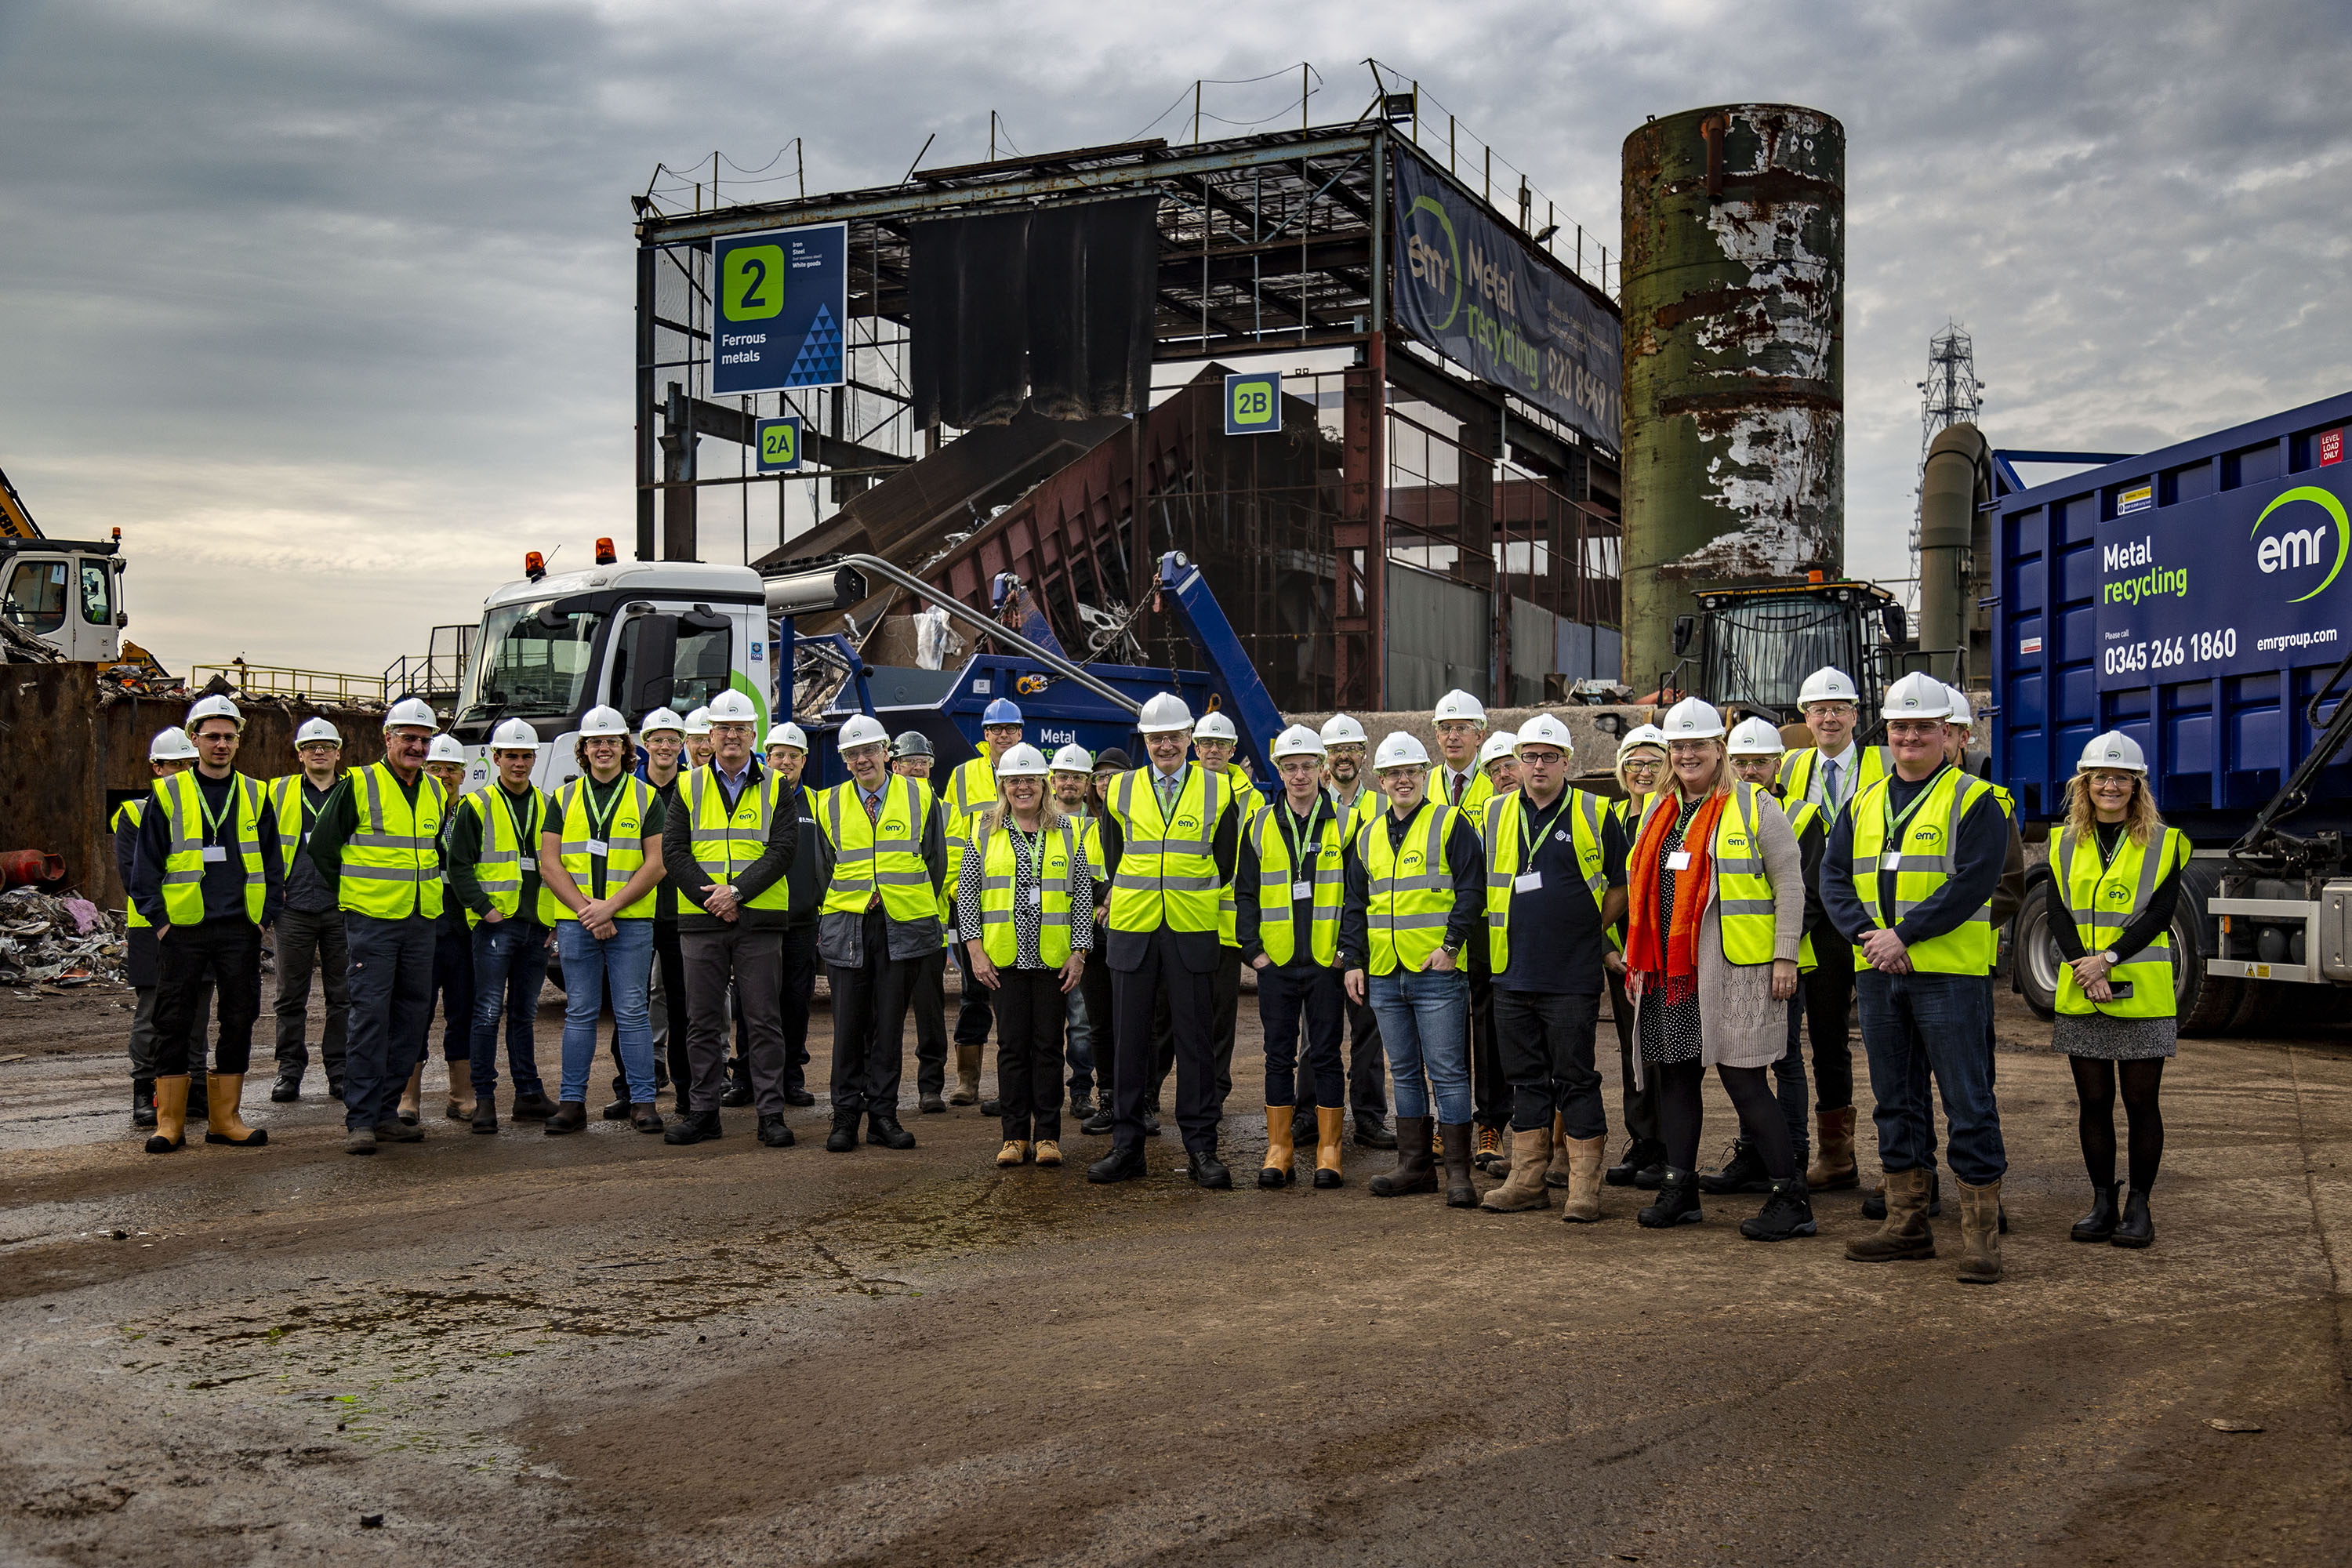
[701, 667]
[531, 661]
[96, 598]
[34, 599]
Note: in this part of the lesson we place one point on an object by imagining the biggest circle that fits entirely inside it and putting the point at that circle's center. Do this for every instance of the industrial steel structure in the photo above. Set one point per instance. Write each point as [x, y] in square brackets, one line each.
[1396, 476]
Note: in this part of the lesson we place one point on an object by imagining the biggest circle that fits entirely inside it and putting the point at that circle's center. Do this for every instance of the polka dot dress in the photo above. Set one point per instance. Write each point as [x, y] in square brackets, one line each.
[1670, 1030]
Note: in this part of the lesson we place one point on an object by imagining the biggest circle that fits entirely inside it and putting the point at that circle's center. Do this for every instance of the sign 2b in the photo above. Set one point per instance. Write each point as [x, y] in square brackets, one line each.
[1254, 404]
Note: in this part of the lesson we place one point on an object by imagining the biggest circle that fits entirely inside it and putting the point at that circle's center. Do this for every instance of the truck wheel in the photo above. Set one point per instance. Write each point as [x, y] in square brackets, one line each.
[2033, 954]
[2259, 1005]
[2206, 1003]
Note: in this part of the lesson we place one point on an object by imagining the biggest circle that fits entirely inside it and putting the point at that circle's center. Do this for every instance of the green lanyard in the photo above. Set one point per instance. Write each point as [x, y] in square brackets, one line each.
[1536, 834]
[1895, 823]
[204, 809]
[598, 829]
[1291, 836]
[526, 826]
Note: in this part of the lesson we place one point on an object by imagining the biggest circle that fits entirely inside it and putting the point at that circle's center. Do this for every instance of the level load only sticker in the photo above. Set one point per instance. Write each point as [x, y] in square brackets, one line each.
[2247, 580]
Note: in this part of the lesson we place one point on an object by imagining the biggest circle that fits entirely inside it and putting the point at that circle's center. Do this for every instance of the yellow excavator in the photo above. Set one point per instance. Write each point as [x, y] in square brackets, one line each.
[65, 593]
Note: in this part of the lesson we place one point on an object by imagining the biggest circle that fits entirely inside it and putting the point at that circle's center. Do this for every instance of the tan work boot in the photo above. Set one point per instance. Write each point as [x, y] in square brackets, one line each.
[1279, 1149]
[1523, 1188]
[1979, 1233]
[1556, 1175]
[170, 1114]
[1048, 1152]
[1906, 1233]
[1330, 1122]
[411, 1099]
[1585, 1155]
[967, 1089]
[1016, 1151]
[224, 1092]
[1832, 1168]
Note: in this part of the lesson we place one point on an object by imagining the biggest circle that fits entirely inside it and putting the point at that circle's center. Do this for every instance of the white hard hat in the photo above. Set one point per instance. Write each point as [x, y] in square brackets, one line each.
[1164, 713]
[661, 719]
[1827, 684]
[602, 721]
[1543, 730]
[1693, 719]
[215, 706]
[1214, 726]
[514, 735]
[1964, 712]
[2114, 751]
[785, 734]
[445, 749]
[699, 722]
[1755, 738]
[732, 707]
[1641, 735]
[314, 730]
[1501, 743]
[411, 712]
[1298, 741]
[1074, 759]
[1401, 751]
[1340, 729]
[1459, 704]
[1918, 695]
[1022, 762]
[863, 729]
[171, 745]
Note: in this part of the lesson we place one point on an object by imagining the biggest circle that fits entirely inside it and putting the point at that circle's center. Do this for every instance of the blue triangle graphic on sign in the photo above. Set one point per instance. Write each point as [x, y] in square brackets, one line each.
[819, 360]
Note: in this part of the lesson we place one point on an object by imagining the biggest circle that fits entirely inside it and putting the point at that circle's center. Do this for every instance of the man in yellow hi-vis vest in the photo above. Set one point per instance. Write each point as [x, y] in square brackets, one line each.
[171, 752]
[308, 936]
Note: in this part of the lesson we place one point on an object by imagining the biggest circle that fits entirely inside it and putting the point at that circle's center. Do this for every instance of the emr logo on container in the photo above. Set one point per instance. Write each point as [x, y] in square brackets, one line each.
[2292, 550]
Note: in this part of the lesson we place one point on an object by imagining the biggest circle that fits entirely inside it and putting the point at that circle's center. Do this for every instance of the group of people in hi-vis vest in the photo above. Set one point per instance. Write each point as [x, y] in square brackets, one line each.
[1451, 924]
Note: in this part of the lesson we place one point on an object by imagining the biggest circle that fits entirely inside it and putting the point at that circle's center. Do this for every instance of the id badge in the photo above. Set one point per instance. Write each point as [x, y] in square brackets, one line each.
[1527, 882]
[1678, 861]
[597, 846]
[1890, 861]
[1036, 898]
[216, 853]
[1302, 889]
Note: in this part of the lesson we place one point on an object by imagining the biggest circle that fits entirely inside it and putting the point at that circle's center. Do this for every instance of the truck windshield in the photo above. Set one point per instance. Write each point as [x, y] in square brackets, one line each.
[1764, 649]
[533, 661]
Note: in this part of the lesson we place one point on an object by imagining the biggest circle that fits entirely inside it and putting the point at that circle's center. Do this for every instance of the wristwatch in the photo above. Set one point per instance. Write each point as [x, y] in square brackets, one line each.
[2109, 958]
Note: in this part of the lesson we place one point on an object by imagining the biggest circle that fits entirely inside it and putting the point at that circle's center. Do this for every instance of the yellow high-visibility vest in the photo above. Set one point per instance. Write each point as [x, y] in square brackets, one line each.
[1919, 854]
[1056, 855]
[1324, 871]
[2104, 895]
[725, 842]
[498, 870]
[1801, 815]
[1247, 804]
[1798, 768]
[1411, 888]
[1166, 873]
[134, 812]
[1506, 855]
[289, 803]
[884, 851]
[576, 839]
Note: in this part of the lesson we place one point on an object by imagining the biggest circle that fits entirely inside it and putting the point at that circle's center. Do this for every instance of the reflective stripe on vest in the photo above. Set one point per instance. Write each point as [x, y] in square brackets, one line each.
[497, 868]
[1247, 804]
[1923, 852]
[725, 843]
[1411, 888]
[1056, 855]
[1167, 874]
[391, 863]
[180, 798]
[1277, 930]
[286, 798]
[1798, 768]
[1506, 822]
[884, 851]
[134, 812]
[1801, 815]
[2104, 897]
[1743, 892]
[625, 847]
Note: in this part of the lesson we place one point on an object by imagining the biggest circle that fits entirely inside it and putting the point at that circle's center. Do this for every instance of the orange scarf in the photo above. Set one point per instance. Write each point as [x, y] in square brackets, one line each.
[1667, 960]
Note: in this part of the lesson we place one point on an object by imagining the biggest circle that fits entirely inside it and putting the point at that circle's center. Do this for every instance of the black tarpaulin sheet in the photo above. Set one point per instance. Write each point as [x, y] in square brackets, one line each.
[965, 288]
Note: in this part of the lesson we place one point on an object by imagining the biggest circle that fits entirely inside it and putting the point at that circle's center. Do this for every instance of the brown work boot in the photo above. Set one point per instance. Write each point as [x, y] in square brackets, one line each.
[1582, 1204]
[1524, 1188]
[1330, 1122]
[1490, 1154]
[1906, 1233]
[1461, 1188]
[225, 1091]
[1279, 1149]
[1556, 1175]
[1832, 1168]
[1414, 1172]
[1979, 1233]
[967, 1089]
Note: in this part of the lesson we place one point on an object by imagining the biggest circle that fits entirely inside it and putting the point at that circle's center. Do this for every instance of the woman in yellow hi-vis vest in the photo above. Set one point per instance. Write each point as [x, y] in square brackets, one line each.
[2117, 867]
[1715, 913]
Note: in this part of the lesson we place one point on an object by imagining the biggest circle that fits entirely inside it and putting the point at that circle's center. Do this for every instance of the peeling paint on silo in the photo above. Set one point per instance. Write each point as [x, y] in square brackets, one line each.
[1735, 376]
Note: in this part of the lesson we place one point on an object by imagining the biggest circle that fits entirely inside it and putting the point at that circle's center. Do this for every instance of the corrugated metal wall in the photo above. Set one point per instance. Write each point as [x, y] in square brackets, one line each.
[1437, 637]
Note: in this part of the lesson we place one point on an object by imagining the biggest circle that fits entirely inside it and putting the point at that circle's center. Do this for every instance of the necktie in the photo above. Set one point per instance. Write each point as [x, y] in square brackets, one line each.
[1453, 788]
[1167, 794]
[873, 814]
[1835, 799]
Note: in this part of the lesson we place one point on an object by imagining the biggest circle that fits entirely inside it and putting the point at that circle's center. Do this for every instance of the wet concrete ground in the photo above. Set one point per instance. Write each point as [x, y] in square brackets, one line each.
[599, 1350]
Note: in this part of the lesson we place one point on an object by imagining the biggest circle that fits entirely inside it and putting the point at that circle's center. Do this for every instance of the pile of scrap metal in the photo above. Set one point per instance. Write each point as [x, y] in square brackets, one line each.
[18, 646]
[51, 940]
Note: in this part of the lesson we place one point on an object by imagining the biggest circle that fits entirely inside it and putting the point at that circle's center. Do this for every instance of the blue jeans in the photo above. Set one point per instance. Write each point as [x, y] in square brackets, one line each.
[510, 968]
[1916, 1025]
[1425, 1025]
[623, 962]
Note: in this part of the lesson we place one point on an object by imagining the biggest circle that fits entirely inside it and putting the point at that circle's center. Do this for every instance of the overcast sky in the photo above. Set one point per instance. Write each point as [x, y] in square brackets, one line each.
[328, 305]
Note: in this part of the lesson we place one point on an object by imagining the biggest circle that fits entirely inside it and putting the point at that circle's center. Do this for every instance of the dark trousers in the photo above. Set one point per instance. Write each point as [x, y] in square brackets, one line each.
[1828, 991]
[869, 1025]
[391, 996]
[1917, 1026]
[309, 945]
[1095, 984]
[1788, 1082]
[142, 1029]
[753, 960]
[1640, 1104]
[1367, 1064]
[972, 1017]
[225, 953]
[1191, 1008]
[927, 1001]
[509, 972]
[1224, 1002]
[1031, 1012]
[1312, 995]
[1490, 1085]
[453, 988]
[1545, 1042]
[669, 1010]
[795, 999]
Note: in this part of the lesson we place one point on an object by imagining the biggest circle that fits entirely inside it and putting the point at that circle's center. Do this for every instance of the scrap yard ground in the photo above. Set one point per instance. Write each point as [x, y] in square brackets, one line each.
[599, 1350]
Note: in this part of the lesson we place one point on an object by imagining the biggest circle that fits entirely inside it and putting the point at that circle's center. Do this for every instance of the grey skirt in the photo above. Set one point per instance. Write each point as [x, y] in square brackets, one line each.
[2114, 1039]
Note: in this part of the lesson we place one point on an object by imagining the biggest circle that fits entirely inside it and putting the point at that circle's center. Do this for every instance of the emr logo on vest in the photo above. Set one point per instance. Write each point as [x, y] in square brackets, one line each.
[2305, 549]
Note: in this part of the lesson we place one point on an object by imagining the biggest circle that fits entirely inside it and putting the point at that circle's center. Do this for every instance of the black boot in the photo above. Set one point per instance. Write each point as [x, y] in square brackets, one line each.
[1788, 1212]
[1371, 1133]
[289, 1087]
[1302, 1123]
[773, 1133]
[1082, 1106]
[1208, 1171]
[737, 1092]
[882, 1127]
[1677, 1202]
[142, 1103]
[618, 1110]
[1461, 1190]
[1641, 1155]
[485, 1114]
[570, 1117]
[1743, 1173]
[2135, 1229]
[2100, 1223]
[1100, 1122]
[532, 1107]
[1124, 1164]
[693, 1128]
[843, 1139]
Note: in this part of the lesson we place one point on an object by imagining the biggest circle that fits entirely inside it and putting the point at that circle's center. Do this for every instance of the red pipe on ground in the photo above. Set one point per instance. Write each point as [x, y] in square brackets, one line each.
[25, 868]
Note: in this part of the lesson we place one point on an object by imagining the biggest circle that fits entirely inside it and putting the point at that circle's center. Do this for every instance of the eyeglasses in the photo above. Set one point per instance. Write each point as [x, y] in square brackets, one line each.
[1641, 765]
[1691, 748]
[1915, 729]
[1541, 759]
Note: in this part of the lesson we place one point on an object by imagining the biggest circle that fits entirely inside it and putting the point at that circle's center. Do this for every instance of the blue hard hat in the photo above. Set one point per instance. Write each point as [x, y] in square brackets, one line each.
[1003, 711]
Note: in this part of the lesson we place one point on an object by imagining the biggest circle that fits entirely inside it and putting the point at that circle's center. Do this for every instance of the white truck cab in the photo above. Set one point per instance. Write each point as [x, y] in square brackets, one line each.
[66, 592]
